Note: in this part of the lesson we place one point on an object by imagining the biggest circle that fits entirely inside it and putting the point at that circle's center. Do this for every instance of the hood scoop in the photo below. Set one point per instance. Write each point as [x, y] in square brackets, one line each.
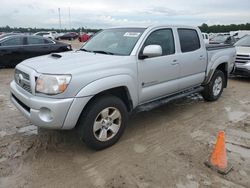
[56, 55]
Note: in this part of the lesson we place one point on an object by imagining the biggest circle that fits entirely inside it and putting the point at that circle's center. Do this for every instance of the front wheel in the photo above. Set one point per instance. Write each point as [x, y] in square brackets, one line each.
[214, 89]
[103, 122]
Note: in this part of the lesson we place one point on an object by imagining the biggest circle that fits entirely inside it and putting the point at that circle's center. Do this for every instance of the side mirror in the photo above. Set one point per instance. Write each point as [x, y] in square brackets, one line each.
[151, 51]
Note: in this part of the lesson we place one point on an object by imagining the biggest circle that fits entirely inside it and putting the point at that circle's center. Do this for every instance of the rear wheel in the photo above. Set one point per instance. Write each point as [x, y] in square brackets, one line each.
[214, 89]
[103, 122]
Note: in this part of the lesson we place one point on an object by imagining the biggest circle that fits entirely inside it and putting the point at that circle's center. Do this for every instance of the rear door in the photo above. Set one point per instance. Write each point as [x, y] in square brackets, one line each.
[192, 58]
[158, 75]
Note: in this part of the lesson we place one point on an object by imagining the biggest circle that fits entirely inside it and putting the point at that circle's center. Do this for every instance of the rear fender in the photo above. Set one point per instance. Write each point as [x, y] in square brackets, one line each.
[215, 64]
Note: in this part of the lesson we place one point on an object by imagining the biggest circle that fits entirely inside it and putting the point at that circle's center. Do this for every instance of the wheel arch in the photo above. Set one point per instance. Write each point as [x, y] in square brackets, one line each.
[222, 66]
[121, 92]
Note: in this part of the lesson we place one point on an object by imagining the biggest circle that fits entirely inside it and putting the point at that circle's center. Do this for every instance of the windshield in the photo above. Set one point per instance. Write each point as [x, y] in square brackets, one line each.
[245, 41]
[114, 41]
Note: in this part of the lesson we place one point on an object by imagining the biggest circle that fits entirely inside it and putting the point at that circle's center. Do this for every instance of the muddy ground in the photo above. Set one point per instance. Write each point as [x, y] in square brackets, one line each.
[165, 147]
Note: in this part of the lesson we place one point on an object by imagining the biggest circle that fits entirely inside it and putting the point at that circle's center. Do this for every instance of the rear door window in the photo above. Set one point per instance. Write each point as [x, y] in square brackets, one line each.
[35, 41]
[189, 40]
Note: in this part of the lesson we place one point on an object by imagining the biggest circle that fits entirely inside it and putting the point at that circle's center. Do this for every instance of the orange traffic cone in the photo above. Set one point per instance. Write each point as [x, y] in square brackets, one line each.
[218, 159]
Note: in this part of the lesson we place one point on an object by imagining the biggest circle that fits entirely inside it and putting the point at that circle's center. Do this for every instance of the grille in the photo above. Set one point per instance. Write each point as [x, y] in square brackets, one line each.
[23, 80]
[242, 59]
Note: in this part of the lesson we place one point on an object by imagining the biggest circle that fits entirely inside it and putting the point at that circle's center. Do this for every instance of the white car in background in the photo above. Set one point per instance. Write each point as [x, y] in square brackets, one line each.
[242, 62]
[48, 34]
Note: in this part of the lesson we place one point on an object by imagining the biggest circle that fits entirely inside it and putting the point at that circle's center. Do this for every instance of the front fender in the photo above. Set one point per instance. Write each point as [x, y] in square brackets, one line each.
[110, 82]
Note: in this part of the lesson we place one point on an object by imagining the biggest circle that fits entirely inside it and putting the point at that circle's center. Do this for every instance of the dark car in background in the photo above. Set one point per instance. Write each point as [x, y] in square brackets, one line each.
[8, 34]
[69, 36]
[16, 48]
[222, 39]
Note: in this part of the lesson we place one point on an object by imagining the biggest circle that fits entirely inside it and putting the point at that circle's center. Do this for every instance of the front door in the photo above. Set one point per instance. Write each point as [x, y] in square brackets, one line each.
[158, 75]
[36, 46]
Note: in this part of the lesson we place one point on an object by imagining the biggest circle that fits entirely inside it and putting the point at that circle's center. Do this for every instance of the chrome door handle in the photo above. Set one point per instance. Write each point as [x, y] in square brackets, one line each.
[174, 62]
[202, 57]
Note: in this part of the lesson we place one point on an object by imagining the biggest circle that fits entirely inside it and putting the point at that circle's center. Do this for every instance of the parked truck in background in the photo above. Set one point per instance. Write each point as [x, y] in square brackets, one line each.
[118, 71]
[205, 37]
[242, 63]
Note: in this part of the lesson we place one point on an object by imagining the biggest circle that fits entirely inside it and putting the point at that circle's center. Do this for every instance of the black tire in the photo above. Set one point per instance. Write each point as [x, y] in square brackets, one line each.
[90, 115]
[208, 93]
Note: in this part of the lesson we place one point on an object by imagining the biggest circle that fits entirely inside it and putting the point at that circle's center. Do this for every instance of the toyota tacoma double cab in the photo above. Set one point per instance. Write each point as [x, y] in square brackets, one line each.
[119, 71]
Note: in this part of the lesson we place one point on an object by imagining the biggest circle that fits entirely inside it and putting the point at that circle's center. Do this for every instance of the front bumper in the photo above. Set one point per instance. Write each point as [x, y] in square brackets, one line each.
[242, 70]
[47, 112]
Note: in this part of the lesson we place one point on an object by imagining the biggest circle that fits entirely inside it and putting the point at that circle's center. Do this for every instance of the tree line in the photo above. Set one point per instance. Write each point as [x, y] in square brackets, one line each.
[223, 28]
[204, 28]
[8, 29]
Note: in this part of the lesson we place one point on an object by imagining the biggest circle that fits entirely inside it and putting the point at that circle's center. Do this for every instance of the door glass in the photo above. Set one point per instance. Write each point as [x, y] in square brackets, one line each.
[48, 41]
[189, 40]
[13, 41]
[164, 38]
[33, 40]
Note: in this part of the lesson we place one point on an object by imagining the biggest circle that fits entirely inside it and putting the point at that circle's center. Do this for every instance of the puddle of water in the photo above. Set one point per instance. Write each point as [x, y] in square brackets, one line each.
[245, 153]
[236, 116]
[3, 133]
[228, 108]
[190, 183]
[199, 135]
[29, 130]
[138, 148]
[244, 102]
[238, 133]
[3, 159]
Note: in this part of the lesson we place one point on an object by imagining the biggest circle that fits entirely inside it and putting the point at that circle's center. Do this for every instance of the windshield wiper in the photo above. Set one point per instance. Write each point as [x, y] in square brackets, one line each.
[97, 51]
[103, 52]
[82, 49]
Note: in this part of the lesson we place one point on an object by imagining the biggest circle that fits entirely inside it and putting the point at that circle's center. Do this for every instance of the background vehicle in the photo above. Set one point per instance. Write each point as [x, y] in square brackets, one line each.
[84, 37]
[118, 71]
[8, 34]
[242, 63]
[69, 36]
[239, 34]
[205, 37]
[16, 48]
[222, 39]
[50, 34]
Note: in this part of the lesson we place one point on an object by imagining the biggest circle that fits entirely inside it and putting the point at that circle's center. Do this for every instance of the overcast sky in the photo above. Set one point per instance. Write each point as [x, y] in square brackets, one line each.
[106, 13]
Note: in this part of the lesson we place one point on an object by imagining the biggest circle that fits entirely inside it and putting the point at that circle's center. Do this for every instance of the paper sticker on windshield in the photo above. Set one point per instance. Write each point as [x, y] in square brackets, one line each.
[131, 34]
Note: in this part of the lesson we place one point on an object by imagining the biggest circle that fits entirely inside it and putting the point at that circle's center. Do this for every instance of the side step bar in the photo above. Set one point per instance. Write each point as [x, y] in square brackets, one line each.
[154, 104]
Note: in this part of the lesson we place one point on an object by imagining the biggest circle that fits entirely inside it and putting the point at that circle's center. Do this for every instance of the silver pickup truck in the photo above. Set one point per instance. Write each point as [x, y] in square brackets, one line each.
[119, 71]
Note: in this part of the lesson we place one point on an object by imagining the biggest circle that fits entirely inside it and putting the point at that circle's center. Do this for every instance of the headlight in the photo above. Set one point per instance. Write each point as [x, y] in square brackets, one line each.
[52, 84]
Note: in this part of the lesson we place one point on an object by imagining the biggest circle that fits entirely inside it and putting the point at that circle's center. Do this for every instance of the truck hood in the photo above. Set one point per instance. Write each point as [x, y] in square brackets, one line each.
[70, 62]
[243, 50]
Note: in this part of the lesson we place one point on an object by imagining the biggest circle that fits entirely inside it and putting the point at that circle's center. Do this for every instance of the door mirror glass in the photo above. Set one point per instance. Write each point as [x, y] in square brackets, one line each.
[152, 51]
